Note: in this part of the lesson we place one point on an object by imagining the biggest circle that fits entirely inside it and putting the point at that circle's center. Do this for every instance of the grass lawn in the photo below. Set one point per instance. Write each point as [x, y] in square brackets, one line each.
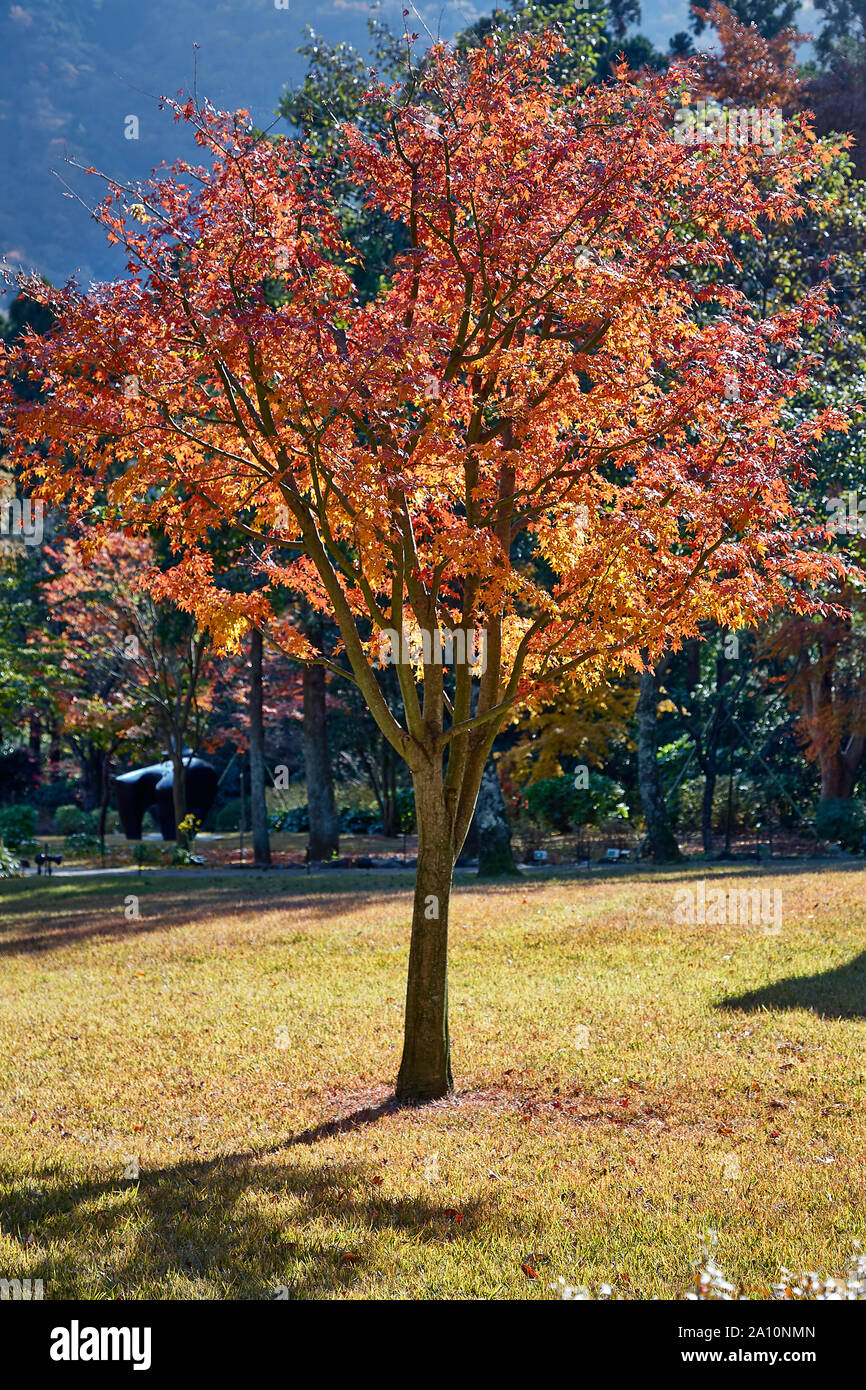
[624, 1084]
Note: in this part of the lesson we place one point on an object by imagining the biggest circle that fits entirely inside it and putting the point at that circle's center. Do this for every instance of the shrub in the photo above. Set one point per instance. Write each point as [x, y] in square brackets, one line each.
[70, 820]
[50, 795]
[354, 820]
[81, 845]
[228, 817]
[752, 806]
[185, 857]
[18, 825]
[9, 865]
[405, 816]
[553, 802]
[144, 853]
[558, 804]
[841, 819]
[293, 820]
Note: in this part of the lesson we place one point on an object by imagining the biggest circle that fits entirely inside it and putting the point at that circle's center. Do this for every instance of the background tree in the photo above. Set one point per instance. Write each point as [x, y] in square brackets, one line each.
[769, 17]
[660, 841]
[836, 87]
[489, 833]
[575, 726]
[775, 270]
[751, 69]
[126, 658]
[321, 802]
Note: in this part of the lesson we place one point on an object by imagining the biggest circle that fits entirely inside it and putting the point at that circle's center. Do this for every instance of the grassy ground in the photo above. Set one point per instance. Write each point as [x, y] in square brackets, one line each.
[624, 1083]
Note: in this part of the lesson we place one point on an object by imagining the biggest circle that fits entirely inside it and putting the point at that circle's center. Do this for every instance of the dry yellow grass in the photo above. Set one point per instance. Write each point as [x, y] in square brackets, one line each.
[614, 1098]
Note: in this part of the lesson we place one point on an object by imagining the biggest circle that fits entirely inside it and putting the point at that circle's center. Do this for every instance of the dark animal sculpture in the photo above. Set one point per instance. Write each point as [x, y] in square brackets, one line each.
[152, 789]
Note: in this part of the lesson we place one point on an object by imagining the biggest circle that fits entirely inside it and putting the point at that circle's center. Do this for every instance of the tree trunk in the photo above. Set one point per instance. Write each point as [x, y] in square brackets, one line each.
[258, 803]
[490, 825]
[54, 753]
[425, 1070]
[106, 798]
[707, 810]
[179, 795]
[92, 760]
[830, 715]
[36, 740]
[726, 852]
[321, 805]
[838, 773]
[662, 844]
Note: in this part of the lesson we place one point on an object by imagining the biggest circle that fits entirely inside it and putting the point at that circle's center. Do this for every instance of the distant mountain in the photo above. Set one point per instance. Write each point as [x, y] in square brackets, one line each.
[73, 71]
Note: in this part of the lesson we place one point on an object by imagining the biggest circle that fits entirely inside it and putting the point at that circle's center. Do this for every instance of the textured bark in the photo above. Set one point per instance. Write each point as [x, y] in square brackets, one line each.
[425, 1069]
[837, 777]
[839, 764]
[443, 821]
[106, 798]
[726, 852]
[258, 802]
[92, 760]
[54, 753]
[707, 809]
[179, 796]
[692, 649]
[490, 828]
[324, 824]
[36, 739]
[660, 838]
[834, 714]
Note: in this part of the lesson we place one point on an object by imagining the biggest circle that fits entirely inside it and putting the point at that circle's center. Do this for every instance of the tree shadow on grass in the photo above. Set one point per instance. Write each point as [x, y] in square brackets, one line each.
[241, 1226]
[48, 927]
[831, 994]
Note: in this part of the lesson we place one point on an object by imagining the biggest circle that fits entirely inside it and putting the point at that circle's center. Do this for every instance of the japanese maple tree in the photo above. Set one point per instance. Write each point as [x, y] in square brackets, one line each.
[528, 430]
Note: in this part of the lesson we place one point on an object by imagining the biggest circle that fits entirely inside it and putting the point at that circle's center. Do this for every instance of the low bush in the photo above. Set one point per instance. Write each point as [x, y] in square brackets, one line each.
[18, 825]
[405, 807]
[49, 795]
[9, 865]
[228, 817]
[144, 852]
[354, 820]
[842, 820]
[558, 804]
[81, 845]
[70, 820]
